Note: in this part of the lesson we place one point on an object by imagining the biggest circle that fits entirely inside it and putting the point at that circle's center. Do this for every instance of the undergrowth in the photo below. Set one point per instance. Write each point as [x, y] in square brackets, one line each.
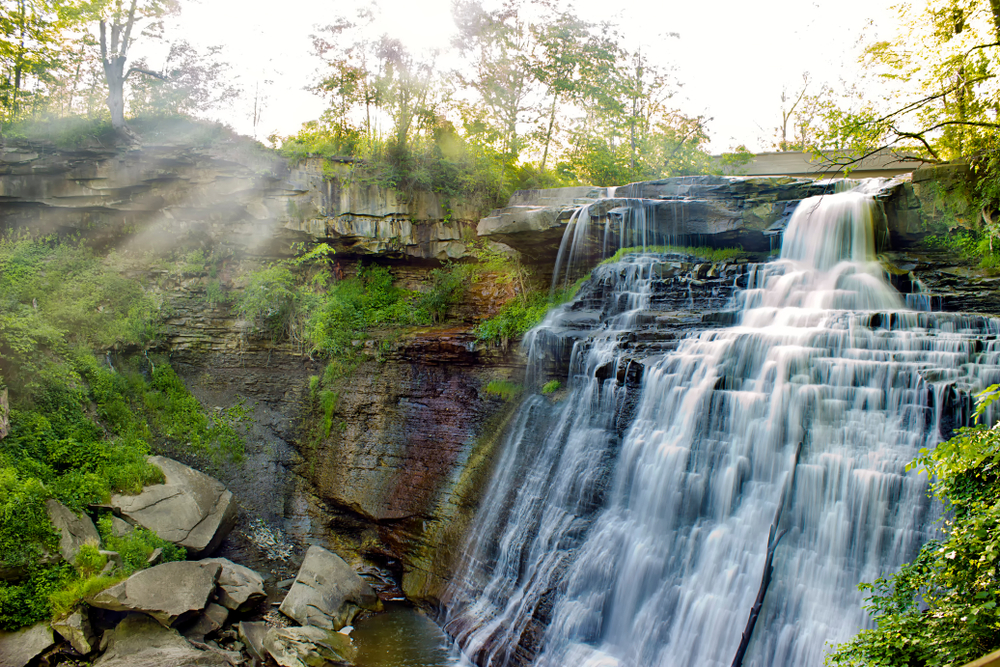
[85, 405]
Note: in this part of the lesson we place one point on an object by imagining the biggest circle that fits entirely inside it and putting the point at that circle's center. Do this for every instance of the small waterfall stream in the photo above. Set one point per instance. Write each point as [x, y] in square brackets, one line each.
[627, 524]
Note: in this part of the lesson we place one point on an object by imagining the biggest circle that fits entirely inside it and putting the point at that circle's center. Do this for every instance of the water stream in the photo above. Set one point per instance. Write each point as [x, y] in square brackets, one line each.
[627, 522]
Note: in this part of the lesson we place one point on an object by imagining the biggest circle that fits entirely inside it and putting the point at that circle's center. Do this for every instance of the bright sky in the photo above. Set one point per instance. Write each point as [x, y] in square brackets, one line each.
[733, 57]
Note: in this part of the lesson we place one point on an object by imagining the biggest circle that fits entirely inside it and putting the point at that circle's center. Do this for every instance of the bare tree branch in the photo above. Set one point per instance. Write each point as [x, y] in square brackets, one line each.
[140, 70]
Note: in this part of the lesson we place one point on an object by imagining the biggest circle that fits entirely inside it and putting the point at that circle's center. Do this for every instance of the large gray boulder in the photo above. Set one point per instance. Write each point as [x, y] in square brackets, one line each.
[139, 641]
[170, 593]
[75, 530]
[308, 647]
[240, 588]
[189, 509]
[327, 593]
[18, 648]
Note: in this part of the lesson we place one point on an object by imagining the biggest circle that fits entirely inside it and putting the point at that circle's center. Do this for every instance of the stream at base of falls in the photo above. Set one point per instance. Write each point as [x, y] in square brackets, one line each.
[630, 515]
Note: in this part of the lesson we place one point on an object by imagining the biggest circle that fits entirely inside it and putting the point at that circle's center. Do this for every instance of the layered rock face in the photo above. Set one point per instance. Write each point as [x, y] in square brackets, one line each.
[397, 479]
[718, 211]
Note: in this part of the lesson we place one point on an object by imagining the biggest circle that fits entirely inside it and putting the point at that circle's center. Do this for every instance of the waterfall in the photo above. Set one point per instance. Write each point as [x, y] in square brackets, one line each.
[627, 524]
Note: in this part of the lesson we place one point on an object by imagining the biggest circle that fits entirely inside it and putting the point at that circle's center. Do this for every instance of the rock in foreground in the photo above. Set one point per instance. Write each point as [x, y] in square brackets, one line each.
[327, 593]
[189, 509]
[139, 641]
[169, 593]
[18, 648]
[309, 646]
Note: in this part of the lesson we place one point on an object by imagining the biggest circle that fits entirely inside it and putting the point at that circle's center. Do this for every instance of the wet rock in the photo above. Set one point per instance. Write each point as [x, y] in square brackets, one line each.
[327, 593]
[76, 629]
[75, 530]
[189, 509]
[240, 588]
[18, 648]
[170, 593]
[308, 647]
[139, 641]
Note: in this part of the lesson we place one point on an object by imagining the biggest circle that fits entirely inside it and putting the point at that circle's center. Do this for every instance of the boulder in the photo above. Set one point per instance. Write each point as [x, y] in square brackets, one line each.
[75, 530]
[170, 593]
[327, 593]
[18, 648]
[77, 631]
[240, 588]
[308, 647]
[120, 528]
[189, 509]
[209, 621]
[139, 641]
[252, 635]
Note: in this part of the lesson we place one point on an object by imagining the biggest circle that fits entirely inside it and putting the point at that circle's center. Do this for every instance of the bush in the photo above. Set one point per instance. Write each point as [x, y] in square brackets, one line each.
[551, 387]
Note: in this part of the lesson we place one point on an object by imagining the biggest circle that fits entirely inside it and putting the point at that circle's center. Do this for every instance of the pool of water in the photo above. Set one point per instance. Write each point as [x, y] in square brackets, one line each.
[403, 636]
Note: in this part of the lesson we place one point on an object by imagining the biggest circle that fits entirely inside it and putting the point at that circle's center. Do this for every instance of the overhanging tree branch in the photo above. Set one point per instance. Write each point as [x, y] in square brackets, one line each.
[140, 70]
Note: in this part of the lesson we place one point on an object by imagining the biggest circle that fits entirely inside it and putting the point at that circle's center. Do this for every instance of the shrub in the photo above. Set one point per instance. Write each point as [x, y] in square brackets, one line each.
[551, 387]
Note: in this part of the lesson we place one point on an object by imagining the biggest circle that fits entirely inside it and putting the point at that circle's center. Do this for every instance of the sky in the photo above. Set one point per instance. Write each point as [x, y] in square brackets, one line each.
[732, 57]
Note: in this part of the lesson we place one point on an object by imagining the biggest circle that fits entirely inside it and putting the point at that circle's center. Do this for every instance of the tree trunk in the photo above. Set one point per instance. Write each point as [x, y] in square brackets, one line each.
[113, 59]
[114, 74]
[552, 122]
[995, 6]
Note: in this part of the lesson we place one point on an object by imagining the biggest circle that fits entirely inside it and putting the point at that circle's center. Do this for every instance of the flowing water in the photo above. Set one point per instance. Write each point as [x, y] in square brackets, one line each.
[628, 525]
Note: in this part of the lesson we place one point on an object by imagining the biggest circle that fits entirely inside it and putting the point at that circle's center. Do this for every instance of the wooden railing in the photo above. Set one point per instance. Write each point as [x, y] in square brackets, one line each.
[991, 660]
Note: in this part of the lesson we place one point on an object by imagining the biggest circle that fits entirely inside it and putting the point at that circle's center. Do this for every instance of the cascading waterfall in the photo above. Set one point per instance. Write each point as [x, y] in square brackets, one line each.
[629, 527]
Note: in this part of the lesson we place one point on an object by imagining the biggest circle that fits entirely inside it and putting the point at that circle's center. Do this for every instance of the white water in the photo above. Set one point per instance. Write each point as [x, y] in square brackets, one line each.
[648, 549]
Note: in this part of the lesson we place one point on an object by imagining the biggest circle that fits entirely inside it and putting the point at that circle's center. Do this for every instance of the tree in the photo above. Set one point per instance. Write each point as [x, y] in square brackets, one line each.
[568, 62]
[193, 82]
[940, 97]
[31, 48]
[116, 23]
[501, 49]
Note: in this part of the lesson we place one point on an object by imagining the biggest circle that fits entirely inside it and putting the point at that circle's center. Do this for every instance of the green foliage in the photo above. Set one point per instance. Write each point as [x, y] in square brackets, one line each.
[971, 247]
[503, 389]
[523, 313]
[29, 601]
[551, 387]
[55, 296]
[136, 546]
[447, 289]
[89, 560]
[941, 608]
[177, 415]
[25, 529]
[65, 599]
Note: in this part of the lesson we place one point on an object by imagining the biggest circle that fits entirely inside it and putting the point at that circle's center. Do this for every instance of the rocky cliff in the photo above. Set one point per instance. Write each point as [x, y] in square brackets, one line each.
[395, 481]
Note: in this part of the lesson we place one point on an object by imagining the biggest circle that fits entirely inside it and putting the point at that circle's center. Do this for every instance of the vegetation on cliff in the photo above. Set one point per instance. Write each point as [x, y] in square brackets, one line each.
[80, 425]
[602, 107]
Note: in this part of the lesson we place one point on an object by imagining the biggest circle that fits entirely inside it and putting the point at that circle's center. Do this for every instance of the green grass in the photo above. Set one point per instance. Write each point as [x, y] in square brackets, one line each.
[551, 387]
[710, 254]
[503, 389]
